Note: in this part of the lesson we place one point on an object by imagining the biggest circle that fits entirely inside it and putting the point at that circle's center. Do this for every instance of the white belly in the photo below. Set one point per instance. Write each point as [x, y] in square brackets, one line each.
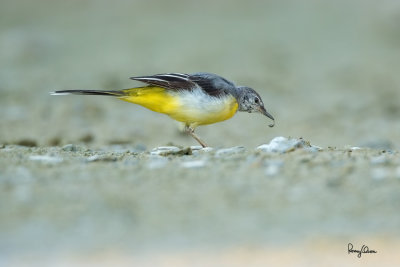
[198, 108]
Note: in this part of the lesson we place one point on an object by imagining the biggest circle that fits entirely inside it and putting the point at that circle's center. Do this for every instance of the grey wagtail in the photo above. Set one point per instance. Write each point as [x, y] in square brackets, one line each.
[193, 99]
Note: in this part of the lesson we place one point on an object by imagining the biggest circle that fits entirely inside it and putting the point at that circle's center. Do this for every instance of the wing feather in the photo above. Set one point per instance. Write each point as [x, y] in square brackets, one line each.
[173, 81]
[211, 84]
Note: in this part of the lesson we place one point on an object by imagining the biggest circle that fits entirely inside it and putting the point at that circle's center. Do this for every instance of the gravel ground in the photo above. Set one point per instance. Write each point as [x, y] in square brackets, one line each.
[76, 200]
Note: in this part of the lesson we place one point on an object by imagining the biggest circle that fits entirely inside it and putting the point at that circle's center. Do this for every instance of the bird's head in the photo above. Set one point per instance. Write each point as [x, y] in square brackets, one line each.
[250, 101]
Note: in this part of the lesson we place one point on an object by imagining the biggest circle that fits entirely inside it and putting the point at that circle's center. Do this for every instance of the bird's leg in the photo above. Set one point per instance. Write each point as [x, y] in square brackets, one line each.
[190, 131]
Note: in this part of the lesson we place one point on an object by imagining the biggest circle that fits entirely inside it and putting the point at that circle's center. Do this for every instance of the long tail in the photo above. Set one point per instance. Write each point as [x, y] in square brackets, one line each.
[89, 92]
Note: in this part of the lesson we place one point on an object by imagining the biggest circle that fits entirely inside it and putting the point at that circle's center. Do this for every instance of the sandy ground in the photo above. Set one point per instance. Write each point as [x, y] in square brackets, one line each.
[78, 182]
[87, 206]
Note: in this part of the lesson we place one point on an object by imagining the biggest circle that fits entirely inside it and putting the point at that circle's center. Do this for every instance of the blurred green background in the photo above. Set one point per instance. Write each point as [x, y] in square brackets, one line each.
[327, 70]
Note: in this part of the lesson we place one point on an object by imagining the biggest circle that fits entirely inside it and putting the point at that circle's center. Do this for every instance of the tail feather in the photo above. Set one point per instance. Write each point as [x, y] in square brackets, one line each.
[89, 92]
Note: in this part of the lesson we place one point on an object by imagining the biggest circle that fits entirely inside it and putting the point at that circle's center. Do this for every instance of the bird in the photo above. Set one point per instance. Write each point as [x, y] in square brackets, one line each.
[195, 99]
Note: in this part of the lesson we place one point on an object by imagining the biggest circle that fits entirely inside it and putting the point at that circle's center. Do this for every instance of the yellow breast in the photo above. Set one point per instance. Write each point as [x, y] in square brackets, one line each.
[191, 107]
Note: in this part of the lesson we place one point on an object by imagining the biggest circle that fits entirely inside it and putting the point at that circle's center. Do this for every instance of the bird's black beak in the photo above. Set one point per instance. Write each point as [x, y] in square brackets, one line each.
[265, 112]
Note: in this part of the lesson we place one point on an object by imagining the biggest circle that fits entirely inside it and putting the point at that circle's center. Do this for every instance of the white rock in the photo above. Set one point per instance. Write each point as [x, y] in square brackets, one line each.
[207, 149]
[93, 158]
[46, 159]
[101, 158]
[201, 150]
[70, 147]
[282, 144]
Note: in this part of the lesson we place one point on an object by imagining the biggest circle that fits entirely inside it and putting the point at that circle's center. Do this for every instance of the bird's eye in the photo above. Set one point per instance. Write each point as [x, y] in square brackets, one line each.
[257, 101]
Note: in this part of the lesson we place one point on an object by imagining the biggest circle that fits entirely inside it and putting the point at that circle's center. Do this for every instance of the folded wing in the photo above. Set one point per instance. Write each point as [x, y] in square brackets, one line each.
[211, 84]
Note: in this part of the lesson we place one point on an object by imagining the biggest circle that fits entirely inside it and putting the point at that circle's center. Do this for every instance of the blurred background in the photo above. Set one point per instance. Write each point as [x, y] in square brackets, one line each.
[328, 71]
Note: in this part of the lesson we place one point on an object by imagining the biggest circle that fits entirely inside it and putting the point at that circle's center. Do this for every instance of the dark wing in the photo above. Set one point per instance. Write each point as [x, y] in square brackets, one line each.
[211, 84]
[173, 81]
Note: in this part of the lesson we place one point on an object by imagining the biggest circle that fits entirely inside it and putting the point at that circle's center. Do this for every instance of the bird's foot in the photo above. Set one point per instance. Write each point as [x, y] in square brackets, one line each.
[190, 131]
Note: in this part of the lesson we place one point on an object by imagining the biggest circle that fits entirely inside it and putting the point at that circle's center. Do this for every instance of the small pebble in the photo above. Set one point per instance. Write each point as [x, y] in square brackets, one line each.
[101, 158]
[69, 147]
[197, 151]
[170, 150]
[46, 159]
[282, 144]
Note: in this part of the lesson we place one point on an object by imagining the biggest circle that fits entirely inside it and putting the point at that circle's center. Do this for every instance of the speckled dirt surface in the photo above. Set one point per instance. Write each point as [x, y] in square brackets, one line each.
[78, 201]
[80, 183]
